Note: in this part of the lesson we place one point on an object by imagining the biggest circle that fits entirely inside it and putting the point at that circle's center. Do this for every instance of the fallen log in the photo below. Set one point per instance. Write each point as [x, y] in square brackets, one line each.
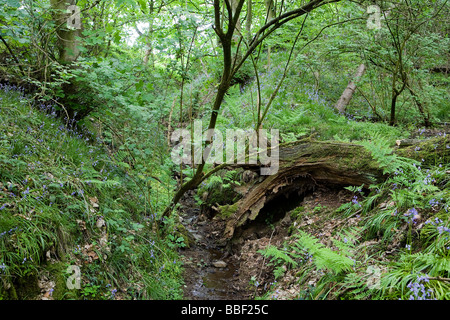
[407, 142]
[303, 165]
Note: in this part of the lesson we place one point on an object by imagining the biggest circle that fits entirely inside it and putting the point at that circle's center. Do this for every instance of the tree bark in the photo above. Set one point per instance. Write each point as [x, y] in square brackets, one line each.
[420, 106]
[67, 38]
[270, 14]
[303, 165]
[348, 92]
[307, 164]
[248, 22]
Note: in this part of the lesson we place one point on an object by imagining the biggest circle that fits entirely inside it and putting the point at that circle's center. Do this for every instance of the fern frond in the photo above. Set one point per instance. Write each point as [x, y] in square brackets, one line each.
[277, 255]
[346, 240]
[382, 153]
[324, 258]
[214, 182]
[229, 175]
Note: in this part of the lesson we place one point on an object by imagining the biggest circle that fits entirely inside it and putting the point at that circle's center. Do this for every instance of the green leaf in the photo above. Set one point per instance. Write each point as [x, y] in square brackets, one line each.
[140, 85]
[143, 5]
[117, 37]
[129, 2]
[124, 165]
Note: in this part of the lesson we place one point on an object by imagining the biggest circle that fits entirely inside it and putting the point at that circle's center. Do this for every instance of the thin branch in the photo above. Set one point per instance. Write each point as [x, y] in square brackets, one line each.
[217, 27]
[13, 55]
[278, 22]
[286, 68]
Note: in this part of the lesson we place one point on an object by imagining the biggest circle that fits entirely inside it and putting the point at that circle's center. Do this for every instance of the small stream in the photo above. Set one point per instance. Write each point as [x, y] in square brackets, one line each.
[210, 273]
[214, 283]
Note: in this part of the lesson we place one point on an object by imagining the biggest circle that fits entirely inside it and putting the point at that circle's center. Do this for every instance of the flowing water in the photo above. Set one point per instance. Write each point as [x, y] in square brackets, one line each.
[203, 280]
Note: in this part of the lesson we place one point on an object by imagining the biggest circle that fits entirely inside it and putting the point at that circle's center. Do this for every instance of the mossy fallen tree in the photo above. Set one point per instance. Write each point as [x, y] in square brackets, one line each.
[306, 164]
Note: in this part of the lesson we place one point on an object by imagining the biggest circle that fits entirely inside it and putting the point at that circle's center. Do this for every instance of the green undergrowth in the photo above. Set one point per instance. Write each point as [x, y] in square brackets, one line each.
[300, 109]
[67, 201]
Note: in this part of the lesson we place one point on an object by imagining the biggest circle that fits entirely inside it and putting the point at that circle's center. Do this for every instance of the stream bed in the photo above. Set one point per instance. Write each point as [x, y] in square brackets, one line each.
[211, 273]
[216, 270]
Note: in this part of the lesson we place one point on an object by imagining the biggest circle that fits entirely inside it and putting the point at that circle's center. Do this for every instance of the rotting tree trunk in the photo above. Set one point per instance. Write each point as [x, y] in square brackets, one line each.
[348, 92]
[302, 166]
[306, 164]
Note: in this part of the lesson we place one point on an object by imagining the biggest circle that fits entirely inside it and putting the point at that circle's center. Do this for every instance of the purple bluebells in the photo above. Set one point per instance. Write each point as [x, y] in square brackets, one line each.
[433, 202]
[418, 290]
[428, 179]
[411, 215]
[355, 201]
[12, 88]
[442, 229]
[439, 224]
[10, 231]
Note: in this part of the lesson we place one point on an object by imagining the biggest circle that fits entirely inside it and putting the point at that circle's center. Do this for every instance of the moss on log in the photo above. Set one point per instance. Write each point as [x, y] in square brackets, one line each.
[305, 164]
[432, 151]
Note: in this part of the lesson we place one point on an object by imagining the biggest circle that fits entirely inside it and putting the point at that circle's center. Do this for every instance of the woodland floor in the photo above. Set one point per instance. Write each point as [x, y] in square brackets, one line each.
[247, 273]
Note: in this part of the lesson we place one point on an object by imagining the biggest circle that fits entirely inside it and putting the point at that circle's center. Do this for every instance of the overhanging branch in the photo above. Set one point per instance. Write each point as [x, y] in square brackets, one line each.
[276, 23]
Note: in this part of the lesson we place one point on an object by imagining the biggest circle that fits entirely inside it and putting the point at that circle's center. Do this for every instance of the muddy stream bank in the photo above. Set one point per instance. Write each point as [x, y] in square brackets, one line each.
[236, 270]
[211, 271]
[220, 270]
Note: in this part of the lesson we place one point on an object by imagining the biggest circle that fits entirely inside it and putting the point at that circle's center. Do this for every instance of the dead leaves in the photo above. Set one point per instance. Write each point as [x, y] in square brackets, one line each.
[89, 251]
[27, 216]
[82, 225]
[47, 287]
[94, 202]
[100, 223]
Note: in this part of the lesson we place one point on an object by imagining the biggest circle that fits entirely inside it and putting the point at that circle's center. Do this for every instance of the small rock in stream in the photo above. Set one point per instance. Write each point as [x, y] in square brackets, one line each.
[197, 236]
[219, 264]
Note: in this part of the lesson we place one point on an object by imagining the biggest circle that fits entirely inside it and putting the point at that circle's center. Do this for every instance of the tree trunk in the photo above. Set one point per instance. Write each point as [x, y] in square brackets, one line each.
[67, 38]
[303, 165]
[248, 23]
[420, 106]
[348, 92]
[149, 53]
[226, 41]
[395, 94]
[270, 15]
